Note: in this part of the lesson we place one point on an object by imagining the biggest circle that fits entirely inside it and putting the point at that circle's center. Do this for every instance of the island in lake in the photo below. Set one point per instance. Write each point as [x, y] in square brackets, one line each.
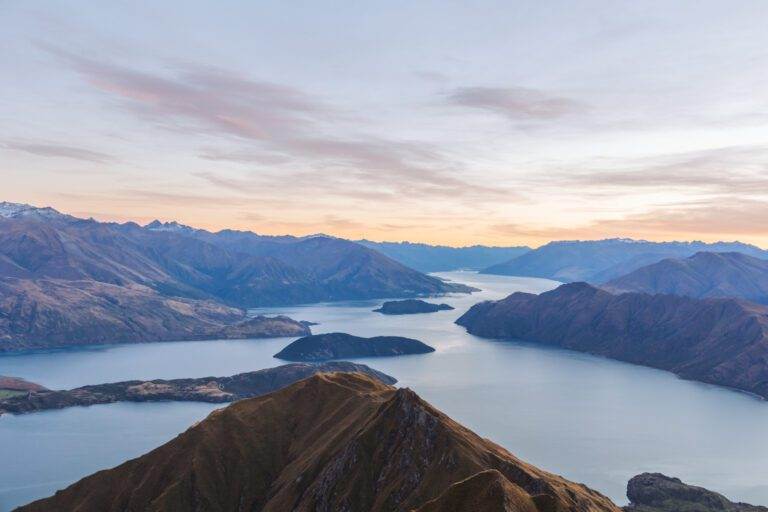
[338, 345]
[410, 307]
[204, 389]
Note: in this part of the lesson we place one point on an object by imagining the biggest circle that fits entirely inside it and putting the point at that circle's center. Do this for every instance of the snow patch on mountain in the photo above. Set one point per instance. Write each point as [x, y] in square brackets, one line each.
[173, 227]
[17, 210]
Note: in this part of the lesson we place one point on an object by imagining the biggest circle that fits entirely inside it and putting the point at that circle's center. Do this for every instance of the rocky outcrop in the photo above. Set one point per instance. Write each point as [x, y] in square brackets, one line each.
[410, 307]
[718, 341]
[338, 345]
[333, 442]
[703, 275]
[654, 492]
[205, 389]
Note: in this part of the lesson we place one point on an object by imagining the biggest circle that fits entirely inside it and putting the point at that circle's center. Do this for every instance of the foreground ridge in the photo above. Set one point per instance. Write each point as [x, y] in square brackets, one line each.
[332, 442]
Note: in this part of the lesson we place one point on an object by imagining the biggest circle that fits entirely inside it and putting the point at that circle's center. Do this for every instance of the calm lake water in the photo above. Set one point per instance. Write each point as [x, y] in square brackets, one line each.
[590, 419]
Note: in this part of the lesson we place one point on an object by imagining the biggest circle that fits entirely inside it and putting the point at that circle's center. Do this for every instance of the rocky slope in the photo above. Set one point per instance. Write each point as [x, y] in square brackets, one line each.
[441, 258]
[410, 307]
[654, 492]
[37, 314]
[703, 275]
[598, 261]
[333, 442]
[719, 341]
[204, 389]
[338, 345]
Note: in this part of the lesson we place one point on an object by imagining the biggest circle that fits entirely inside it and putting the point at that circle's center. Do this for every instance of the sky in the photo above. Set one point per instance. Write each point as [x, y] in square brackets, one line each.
[459, 123]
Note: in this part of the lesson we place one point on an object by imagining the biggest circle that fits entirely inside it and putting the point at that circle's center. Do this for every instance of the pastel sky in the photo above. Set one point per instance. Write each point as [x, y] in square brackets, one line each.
[510, 122]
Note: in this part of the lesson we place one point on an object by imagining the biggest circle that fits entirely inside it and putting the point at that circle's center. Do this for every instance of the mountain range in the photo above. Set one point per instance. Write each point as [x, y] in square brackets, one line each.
[703, 275]
[61, 275]
[599, 261]
[718, 341]
[332, 442]
[442, 258]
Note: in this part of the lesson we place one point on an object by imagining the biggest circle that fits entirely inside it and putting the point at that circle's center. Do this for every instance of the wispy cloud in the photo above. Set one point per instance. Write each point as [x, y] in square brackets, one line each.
[244, 156]
[728, 170]
[50, 150]
[280, 125]
[726, 218]
[203, 99]
[516, 103]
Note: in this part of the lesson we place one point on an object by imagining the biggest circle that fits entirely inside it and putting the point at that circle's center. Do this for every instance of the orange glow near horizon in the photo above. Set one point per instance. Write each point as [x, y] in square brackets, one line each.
[498, 137]
[457, 234]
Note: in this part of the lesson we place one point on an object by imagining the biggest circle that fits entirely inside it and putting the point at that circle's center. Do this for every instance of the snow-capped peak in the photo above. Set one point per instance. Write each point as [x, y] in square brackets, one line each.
[172, 226]
[18, 210]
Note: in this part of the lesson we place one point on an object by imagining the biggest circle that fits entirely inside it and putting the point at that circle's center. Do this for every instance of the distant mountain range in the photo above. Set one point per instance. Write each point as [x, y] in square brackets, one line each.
[598, 261]
[332, 442]
[441, 258]
[703, 275]
[718, 341]
[61, 274]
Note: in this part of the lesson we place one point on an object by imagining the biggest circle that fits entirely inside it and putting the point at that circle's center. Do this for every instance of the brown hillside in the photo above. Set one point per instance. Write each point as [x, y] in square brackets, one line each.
[333, 442]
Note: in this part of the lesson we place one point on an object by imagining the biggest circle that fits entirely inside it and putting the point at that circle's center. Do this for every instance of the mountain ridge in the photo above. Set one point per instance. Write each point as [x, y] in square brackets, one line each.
[442, 258]
[703, 275]
[598, 261]
[54, 267]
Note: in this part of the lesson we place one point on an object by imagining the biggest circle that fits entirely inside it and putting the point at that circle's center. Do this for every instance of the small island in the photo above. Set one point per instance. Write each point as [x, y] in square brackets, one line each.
[410, 307]
[205, 389]
[338, 345]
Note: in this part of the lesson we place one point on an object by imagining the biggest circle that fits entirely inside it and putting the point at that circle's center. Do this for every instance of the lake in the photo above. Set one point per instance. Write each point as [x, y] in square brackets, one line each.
[590, 419]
